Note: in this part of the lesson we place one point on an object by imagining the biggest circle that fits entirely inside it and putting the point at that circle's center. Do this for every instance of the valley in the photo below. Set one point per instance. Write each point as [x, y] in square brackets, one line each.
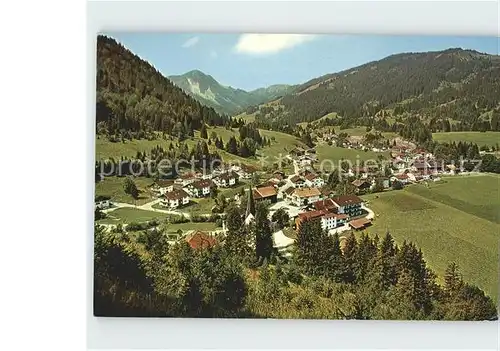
[354, 193]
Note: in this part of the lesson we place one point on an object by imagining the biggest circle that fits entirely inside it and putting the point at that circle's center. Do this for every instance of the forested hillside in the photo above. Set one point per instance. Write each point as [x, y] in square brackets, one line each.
[134, 97]
[458, 85]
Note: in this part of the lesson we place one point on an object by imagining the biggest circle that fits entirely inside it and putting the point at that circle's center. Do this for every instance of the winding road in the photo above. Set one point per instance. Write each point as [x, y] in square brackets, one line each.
[148, 207]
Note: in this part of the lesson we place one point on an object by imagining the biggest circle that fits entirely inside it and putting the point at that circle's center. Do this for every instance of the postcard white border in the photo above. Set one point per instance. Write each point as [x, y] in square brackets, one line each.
[402, 17]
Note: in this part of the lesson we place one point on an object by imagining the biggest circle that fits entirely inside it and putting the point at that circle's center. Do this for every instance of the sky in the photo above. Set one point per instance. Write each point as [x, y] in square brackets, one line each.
[251, 61]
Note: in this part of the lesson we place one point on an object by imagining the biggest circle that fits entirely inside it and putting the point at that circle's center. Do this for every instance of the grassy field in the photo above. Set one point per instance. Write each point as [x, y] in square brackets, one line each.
[281, 143]
[487, 138]
[128, 215]
[113, 187]
[248, 118]
[451, 221]
[477, 195]
[326, 152]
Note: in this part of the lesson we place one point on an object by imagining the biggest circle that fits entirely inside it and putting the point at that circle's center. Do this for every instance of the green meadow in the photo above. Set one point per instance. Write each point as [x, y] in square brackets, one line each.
[456, 220]
[479, 138]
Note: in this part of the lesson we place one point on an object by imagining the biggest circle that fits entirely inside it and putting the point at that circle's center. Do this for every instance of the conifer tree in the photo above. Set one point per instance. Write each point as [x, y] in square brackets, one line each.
[203, 132]
[349, 252]
[263, 235]
[334, 260]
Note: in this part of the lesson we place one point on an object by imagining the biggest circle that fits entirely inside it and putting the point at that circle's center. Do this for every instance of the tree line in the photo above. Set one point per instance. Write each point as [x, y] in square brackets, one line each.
[133, 96]
[244, 276]
[151, 164]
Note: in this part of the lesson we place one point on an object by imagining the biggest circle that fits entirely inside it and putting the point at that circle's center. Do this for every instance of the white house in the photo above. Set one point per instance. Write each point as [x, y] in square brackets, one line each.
[403, 178]
[245, 171]
[200, 188]
[162, 186]
[226, 179]
[314, 180]
[329, 220]
[304, 196]
[400, 164]
[103, 204]
[333, 220]
[185, 179]
[298, 182]
[175, 199]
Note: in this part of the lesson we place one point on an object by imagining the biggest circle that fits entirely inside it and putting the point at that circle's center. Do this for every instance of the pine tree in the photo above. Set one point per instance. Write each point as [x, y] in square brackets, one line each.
[452, 280]
[237, 241]
[349, 252]
[309, 247]
[384, 266]
[334, 260]
[130, 188]
[263, 235]
[203, 132]
[366, 252]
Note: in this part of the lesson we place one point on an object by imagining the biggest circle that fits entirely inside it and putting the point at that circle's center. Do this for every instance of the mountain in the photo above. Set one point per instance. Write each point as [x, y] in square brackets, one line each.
[133, 96]
[225, 99]
[461, 85]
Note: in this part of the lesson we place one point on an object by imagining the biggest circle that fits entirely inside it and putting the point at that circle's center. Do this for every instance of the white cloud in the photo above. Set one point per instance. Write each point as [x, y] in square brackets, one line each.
[269, 43]
[191, 42]
[213, 54]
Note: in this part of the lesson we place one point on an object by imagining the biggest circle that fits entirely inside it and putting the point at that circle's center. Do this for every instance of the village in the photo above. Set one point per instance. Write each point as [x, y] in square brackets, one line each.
[303, 194]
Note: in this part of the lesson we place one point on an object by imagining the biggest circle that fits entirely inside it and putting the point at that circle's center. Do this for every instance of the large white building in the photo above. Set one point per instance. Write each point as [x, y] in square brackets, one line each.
[175, 199]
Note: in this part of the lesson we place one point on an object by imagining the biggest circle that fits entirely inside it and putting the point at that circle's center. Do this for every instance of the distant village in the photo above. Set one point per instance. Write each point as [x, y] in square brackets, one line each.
[303, 194]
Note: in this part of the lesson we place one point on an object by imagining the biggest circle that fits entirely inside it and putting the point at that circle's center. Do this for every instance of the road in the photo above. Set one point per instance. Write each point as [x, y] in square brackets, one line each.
[147, 207]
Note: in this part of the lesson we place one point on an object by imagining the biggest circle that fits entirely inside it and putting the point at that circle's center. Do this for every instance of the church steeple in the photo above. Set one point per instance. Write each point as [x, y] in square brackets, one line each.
[250, 203]
[250, 213]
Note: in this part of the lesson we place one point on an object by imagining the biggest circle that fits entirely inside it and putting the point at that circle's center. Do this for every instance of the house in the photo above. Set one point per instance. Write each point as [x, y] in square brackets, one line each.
[325, 205]
[360, 223]
[102, 202]
[162, 186]
[314, 180]
[279, 176]
[175, 199]
[304, 196]
[349, 204]
[333, 220]
[298, 181]
[403, 178]
[329, 220]
[267, 193]
[361, 185]
[399, 164]
[326, 193]
[201, 188]
[246, 171]
[270, 182]
[386, 183]
[185, 179]
[200, 240]
[288, 192]
[227, 179]
[297, 151]
[306, 160]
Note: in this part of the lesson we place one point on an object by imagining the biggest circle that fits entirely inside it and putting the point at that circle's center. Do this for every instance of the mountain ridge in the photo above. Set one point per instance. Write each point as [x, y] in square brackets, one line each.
[459, 84]
[225, 99]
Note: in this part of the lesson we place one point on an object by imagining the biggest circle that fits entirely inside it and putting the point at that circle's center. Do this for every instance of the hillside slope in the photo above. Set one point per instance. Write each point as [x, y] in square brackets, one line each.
[462, 85]
[225, 99]
[133, 96]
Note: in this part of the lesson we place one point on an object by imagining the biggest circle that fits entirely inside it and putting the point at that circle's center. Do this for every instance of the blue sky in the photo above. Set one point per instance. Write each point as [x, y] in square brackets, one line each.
[250, 61]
